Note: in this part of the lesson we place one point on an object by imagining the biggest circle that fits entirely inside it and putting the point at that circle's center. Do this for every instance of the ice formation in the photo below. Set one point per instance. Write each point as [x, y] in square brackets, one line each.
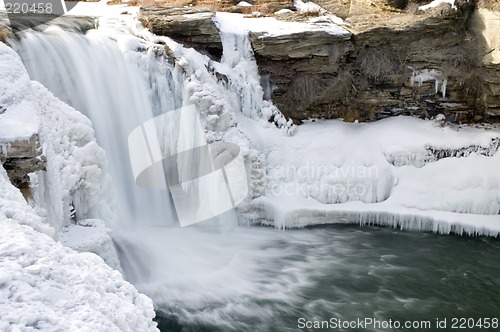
[18, 118]
[75, 163]
[424, 75]
[47, 286]
[390, 173]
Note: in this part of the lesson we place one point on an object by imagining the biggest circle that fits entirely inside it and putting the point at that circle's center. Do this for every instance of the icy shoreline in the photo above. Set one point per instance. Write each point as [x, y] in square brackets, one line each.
[402, 172]
[304, 212]
[51, 287]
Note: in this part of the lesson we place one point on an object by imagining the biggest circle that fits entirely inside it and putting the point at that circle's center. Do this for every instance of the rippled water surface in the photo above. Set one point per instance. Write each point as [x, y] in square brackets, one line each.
[262, 279]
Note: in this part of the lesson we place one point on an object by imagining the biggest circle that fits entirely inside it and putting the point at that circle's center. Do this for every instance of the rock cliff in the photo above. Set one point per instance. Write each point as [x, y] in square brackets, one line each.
[189, 26]
[396, 60]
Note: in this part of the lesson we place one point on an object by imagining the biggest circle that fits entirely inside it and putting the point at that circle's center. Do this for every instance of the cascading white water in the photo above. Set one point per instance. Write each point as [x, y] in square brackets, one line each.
[118, 89]
[249, 279]
[119, 81]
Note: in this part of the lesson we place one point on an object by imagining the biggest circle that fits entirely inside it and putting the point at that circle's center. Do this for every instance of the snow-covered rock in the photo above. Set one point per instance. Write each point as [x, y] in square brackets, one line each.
[283, 11]
[18, 117]
[436, 3]
[243, 4]
[308, 7]
[46, 286]
[384, 173]
[13, 206]
[19, 123]
[91, 235]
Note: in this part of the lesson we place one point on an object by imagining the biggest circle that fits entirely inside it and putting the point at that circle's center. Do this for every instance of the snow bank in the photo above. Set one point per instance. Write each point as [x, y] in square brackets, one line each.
[13, 206]
[292, 212]
[461, 185]
[237, 23]
[91, 235]
[385, 169]
[49, 287]
[436, 3]
[18, 118]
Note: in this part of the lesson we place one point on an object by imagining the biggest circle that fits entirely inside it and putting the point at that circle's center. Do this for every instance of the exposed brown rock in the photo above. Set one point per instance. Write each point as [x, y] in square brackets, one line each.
[21, 157]
[372, 72]
[190, 26]
[373, 79]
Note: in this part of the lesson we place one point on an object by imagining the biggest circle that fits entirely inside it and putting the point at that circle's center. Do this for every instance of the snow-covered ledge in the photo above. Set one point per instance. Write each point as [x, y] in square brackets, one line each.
[400, 172]
[46, 286]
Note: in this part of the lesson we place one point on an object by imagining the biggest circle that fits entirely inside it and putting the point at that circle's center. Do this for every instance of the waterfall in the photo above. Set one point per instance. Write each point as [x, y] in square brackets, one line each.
[120, 80]
[245, 81]
[121, 77]
[238, 55]
[118, 88]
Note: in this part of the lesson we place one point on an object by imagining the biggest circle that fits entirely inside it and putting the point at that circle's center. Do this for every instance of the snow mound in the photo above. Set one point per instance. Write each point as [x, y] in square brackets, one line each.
[46, 286]
[18, 118]
[396, 171]
[271, 27]
[436, 3]
[91, 235]
[13, 206]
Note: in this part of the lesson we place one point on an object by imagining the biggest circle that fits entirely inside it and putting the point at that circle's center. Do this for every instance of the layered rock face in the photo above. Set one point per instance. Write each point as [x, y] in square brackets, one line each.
[189, 26]
[21, 157]
[393, 61]
[396, 63]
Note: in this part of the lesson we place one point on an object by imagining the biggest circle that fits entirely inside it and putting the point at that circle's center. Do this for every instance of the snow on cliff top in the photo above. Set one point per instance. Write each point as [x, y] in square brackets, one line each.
[46, 286]
[436, 3]
[18, 116]
[231, 22]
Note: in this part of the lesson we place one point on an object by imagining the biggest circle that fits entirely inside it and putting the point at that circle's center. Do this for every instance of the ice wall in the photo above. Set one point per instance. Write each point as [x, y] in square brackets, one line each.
[400, 172]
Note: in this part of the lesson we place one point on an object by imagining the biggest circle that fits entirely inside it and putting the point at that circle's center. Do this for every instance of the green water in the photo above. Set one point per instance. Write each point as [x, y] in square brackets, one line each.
[346, 272]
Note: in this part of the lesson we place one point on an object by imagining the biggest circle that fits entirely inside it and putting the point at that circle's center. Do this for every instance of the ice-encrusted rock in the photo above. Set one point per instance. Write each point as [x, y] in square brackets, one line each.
[22, 157]
[50, 287]
[73, 183]
[20, 150]
[190, 26]
[91, 235]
